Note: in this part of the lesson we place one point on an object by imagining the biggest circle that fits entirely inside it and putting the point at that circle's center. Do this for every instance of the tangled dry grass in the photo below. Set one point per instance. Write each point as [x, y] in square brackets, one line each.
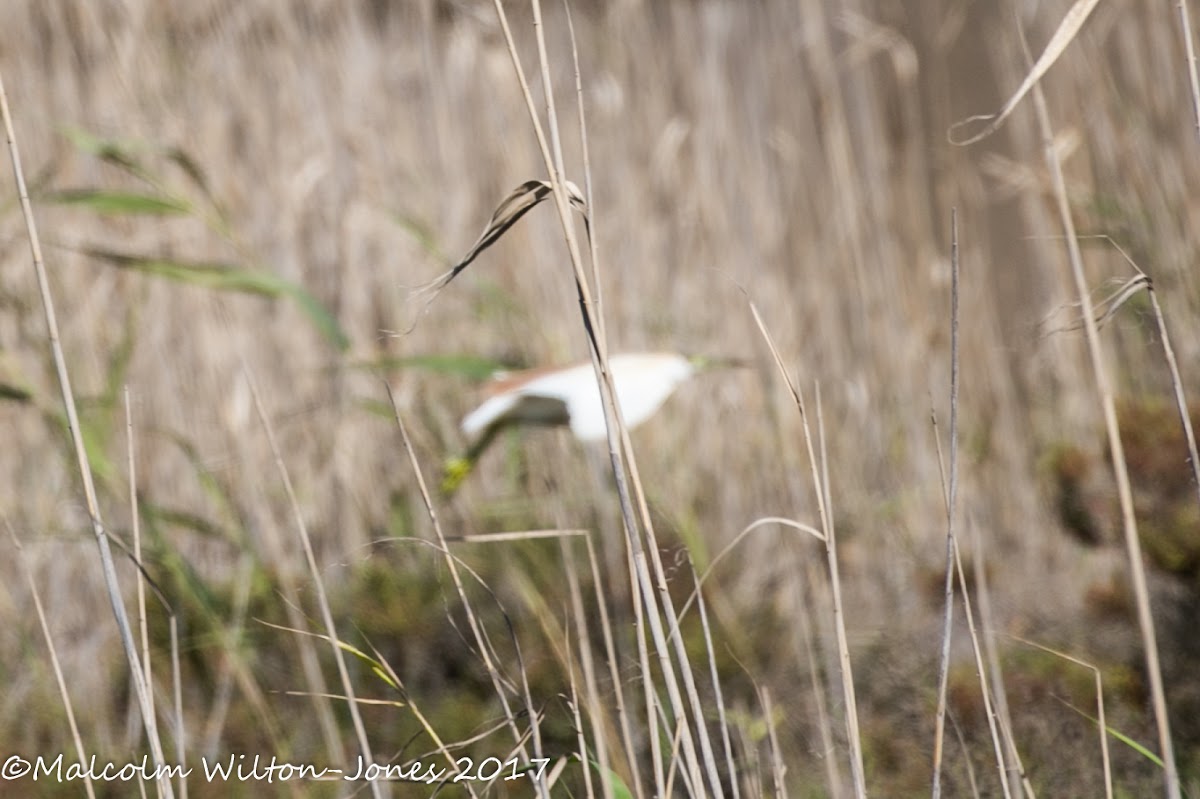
[315, 162]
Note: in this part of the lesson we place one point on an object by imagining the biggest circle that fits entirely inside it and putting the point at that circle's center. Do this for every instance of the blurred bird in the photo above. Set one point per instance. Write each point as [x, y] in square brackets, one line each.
[570, 396]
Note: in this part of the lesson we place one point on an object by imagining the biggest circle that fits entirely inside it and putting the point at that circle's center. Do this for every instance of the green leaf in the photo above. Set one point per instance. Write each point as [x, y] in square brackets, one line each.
[191, 168]
[469, 366]
[227, 277]
[11, 391]
[176, 517]
[620, 789]
[114, 151]
[1122, 737]
[316, 313]
[1135, 746]
[120, 202]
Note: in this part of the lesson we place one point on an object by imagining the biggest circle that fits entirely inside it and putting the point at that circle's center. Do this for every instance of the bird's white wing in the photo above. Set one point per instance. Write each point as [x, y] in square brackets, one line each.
[487, 414]
[576, 388]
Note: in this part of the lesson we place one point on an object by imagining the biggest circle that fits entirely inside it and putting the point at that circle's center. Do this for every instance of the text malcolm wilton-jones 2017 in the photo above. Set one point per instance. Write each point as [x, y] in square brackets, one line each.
[243, 768]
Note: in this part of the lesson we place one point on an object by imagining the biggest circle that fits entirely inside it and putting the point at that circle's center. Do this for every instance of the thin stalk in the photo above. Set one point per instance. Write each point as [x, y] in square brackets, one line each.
[939, 733]
[620, 452]
[485, 650]
[777, 767]
[581, 739]
[614, 673]
[177, 691]
[1133, 546]
[141, 689]
[1016, 769]
[583, 636]
[716, 684]
[143, 629]
[821, 486]
[318, 581]
[1190, 49]
[55, 666]
[854, 737]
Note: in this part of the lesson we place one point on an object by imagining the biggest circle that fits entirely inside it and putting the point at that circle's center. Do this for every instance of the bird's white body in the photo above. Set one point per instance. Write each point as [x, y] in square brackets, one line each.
[643, 382]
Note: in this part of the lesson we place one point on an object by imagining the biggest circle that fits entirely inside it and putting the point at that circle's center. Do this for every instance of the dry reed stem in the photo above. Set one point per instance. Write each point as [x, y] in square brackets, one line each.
[949, 496]
[516, 535]
[778, 770]
[751, 770]
[649, 698]
[583, 641]
[835, 584]
[318, 581]
[390, 673]
[620, 448]
[997, 743]
[962, 742]
[176, 685]
[1100, 718]
[1181, 405]
[473, 622]
[1016, 771]
[55, 666]
[581, 739]
[234, 669]
[716, 684]
[676, 740]
[177, 693]
[279, 558]
[593, 248]
[141, 689]
[442, 748]
[1066, 32]
[1117, 451]
[310, 664]
[610, 652]
[821, 486]
[737, 539]
[833, 774]
[143, 627]
[627, 736]
[1189, 48]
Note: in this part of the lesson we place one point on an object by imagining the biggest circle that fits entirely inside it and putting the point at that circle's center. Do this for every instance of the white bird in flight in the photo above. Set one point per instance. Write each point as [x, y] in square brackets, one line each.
[570, 396]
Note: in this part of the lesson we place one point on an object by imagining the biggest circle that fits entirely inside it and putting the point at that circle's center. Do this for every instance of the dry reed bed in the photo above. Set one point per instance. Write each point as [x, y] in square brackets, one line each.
[793, 150]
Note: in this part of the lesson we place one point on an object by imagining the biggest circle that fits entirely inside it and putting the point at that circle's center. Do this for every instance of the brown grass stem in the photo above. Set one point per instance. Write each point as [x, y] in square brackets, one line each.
[778, 770]
[55, 665]
[484, 648]
[610, 651]
[1101, 724]
[141, 689]
[1189, 47]
[587, 663]
[1133, 545]
[718, 695]
[581, 738]
[177, 693]
[1018, 780]
[949, 494]
[135, 523]
[620, 448]
[593, 247]
[318, 580]
[998, 744]
[820, 484]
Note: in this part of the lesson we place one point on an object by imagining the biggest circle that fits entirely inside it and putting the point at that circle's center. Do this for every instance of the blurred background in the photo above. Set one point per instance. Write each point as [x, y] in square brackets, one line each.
[269, 181]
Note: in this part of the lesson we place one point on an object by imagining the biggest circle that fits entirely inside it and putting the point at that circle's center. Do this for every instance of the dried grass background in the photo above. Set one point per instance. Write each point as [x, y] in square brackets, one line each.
[796, 150]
